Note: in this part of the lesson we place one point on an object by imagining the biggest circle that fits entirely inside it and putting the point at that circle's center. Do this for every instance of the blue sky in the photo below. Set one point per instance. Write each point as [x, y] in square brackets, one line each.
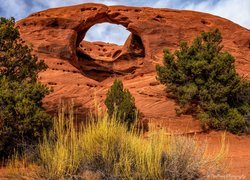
[237, 11]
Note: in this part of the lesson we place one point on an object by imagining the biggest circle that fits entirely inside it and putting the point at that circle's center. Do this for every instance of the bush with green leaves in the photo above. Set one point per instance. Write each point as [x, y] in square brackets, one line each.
[22, 117]
[203, 80]
[121, 102]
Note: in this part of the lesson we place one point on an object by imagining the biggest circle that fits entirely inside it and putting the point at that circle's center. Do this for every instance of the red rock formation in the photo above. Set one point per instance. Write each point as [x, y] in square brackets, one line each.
[83, 71]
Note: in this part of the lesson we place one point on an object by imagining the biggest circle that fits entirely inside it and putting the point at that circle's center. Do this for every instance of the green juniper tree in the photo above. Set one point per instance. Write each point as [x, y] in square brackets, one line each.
[204, 81]
[121, 100]
[22, 118]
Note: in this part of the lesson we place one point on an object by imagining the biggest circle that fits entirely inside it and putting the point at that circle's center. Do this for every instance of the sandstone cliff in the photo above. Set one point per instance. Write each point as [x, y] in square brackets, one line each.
[83, 71]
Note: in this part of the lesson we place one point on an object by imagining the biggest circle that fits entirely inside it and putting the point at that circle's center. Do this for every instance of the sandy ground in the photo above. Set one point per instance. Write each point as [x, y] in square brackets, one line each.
[238, 157]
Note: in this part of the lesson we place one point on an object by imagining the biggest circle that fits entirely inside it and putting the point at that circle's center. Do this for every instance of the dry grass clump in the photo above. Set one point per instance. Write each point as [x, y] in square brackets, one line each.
[59, 152]
[19, 167]
[105, 147]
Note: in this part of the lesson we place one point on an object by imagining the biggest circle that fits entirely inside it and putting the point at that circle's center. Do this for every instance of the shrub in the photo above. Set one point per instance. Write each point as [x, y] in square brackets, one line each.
[204, 81]
[120, 100]
[22, 117]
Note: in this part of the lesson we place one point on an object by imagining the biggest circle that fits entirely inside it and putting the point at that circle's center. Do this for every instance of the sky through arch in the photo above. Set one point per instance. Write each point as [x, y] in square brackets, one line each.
[107, 32]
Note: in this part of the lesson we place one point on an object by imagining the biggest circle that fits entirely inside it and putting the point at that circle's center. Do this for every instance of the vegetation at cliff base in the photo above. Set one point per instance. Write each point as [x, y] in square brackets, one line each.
[107, 150]
[203, 80]
[22, 118]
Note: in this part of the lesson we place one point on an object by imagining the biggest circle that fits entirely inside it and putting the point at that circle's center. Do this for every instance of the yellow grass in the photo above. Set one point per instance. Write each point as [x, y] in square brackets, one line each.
[104, 146]
[59, 152]
[19, 167]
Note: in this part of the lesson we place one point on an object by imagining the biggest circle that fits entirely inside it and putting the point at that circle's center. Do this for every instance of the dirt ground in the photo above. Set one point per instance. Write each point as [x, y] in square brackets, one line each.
[237, 156]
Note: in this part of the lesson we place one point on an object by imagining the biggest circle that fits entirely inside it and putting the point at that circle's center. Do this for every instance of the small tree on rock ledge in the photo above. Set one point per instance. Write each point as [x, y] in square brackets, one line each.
[204, 81]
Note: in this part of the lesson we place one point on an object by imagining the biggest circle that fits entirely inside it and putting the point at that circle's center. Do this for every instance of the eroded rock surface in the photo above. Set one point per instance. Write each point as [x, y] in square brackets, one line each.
[83, 71]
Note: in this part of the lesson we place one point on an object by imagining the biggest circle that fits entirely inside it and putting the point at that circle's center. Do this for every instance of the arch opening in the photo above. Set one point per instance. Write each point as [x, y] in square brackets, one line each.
[108, 33]
[107, 49]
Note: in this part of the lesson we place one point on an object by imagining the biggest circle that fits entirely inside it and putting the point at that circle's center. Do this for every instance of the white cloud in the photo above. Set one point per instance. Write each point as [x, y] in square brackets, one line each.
[237, 11]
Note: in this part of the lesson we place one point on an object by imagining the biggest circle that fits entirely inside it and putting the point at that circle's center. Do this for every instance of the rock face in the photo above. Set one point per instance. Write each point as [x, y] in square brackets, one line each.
[83, 71]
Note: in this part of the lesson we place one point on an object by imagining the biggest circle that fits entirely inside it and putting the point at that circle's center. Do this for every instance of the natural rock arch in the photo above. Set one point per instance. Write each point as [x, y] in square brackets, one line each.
[56, 33]
[155, 28]
[98, 60]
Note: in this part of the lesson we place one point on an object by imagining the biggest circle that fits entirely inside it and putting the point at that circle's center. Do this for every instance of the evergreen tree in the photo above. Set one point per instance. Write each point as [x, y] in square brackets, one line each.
[22, 117]
[120, 101]
[203, 80]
